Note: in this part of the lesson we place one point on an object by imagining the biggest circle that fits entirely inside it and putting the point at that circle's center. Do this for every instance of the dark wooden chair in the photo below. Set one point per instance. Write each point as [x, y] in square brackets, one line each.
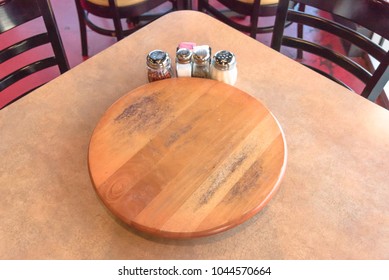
[13, 14]
[252, 8]
[341, 16]
[132, 10]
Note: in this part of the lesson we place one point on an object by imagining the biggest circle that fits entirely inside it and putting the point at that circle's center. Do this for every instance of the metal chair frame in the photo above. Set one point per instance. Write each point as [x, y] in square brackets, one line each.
[371, 14]
[254, 10]
[135, 14]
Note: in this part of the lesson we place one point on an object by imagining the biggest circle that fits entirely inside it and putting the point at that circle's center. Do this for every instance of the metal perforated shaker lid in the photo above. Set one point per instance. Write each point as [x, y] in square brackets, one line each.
[158, 59]
[224, 60]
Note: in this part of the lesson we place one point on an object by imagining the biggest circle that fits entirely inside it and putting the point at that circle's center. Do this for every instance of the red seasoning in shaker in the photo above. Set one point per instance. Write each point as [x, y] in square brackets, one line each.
[158, 66]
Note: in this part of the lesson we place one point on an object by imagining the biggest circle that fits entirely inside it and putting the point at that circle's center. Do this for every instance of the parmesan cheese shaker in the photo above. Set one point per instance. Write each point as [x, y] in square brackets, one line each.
[223, 67]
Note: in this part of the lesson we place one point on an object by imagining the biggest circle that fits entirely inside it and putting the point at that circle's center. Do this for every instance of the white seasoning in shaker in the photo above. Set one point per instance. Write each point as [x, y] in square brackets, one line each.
[223, 67]
[184, 62]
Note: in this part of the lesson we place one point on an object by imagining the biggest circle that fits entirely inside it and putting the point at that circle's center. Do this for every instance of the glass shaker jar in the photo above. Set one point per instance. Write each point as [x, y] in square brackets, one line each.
[223, 67]
[184, 62]
[201, 61]
[158, 66]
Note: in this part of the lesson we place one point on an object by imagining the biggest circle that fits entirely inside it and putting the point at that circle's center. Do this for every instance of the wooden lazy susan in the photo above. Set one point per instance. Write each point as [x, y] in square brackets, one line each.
[186, 157]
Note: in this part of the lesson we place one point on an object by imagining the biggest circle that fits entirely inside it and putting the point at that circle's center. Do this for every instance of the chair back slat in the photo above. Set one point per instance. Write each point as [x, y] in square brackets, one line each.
[344, 32]
[14, 13]
[325, 74]
[26, 71]
[372, 14]
[341, 60]
[23, 46]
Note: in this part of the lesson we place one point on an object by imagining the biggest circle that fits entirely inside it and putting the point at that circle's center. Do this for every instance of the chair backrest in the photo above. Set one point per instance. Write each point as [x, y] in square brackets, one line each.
[125, 9]
[370, 14]
[14, 14]
[254, 9]
[264, 8]
[136, 13]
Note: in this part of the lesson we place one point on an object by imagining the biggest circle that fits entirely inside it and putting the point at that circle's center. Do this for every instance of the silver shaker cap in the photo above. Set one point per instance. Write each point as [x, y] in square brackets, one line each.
[224, 60]
[201, 56]
[157, 59]
[183, 55]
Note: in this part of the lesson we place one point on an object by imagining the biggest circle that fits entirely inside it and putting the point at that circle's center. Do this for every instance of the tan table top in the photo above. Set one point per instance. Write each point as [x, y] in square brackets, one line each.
[331, 204]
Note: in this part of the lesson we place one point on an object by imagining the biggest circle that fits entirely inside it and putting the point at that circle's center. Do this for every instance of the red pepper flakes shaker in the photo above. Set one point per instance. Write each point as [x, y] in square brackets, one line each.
[159, 66]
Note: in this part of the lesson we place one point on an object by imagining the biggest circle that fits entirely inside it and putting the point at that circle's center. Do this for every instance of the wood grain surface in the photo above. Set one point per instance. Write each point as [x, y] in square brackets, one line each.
[186, 157]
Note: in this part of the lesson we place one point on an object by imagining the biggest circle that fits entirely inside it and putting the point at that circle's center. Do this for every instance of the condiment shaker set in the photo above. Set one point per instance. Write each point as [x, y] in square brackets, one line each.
[193, 61]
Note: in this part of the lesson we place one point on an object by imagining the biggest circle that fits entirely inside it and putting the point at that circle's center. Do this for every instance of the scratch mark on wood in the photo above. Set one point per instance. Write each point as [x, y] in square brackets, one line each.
[248, 181]
[145, 113]
[177, 134]
[222, 176]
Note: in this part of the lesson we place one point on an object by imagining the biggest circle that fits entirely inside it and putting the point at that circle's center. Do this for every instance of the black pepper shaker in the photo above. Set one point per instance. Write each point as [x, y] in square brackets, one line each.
[201, 62]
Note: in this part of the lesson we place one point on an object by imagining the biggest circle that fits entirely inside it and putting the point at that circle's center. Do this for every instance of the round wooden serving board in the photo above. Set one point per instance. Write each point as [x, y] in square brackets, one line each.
[186, 157]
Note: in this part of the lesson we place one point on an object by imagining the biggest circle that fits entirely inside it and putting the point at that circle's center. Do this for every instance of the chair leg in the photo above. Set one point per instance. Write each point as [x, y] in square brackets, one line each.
[254, 24]
[300, 31]
[118, 29]
[254, 19]
[181, 4]
[176, 5]
[201, 4]
[116, 20]
[84, 39]
[82, 24]
[188, 5]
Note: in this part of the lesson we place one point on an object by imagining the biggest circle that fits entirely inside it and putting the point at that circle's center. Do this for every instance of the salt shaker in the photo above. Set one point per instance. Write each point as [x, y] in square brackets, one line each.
[223, 67]
[158, 66]
[201, 62]
[183, 62]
